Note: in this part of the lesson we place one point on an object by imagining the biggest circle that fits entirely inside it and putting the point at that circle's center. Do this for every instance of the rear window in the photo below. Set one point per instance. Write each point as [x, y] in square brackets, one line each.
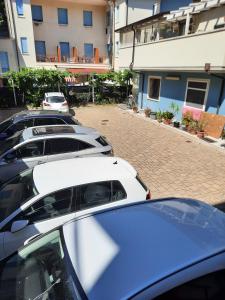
[141, 183]
[55, 99]
[101, 140]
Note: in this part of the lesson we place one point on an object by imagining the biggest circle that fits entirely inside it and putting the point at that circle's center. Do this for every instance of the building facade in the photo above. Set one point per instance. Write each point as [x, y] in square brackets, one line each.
[73, 35]
[179, 56]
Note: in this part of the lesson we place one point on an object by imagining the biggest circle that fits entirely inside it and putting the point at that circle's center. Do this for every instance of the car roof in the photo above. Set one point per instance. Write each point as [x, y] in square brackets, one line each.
[39, 113]
[129, 248]
[51, 94]
[57, 130]
[76, 171]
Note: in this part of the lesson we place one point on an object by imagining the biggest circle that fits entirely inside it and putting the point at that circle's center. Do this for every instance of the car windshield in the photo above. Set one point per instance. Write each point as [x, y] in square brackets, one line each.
[10, 142]
[5, 124]
[55, 99]
[15, 192]
[38, 271]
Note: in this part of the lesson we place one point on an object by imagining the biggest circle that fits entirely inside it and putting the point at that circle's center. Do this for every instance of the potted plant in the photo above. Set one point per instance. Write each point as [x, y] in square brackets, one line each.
[200, 127]
[187, 119]
[167, 117]
[192, 127]
[153, 115]
[147, 112]
[159, 116]
[175, 109]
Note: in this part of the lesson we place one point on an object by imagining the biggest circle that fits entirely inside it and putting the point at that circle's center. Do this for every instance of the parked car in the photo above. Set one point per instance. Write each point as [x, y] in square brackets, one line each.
[170, 249]
[55, 101]
[30, 118]
[40, 199]
[37, 145]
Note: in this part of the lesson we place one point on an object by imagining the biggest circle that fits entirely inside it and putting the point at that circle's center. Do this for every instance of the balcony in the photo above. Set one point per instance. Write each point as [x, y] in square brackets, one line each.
[187, 53]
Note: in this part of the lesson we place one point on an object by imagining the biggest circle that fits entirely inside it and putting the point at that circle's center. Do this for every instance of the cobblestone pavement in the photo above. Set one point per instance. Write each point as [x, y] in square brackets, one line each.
[170, 163]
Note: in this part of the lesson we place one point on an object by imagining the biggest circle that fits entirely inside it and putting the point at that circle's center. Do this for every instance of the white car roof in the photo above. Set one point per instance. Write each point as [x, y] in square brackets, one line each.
[56, 130]
[61, 174]
[54, 94]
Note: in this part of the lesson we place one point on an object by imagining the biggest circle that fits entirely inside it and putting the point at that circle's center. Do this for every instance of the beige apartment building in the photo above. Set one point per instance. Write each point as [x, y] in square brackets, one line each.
[74, 35]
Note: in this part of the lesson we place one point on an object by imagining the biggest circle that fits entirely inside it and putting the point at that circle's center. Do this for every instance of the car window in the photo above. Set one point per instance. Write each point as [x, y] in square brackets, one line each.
[84, 146]
[72, 121]
[38, 271]
[51, 206]
[48, 121]
[32, 149]
[61, 145]
[55, 99]
[20, 126]
[99, 193]
[5, 124]
[10, 142]
[208, 287]
[15, 192]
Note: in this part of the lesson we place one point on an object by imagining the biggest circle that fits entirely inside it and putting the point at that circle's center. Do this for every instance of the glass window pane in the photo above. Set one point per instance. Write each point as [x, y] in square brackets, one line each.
[38, 271]
[32, 149]
[4, 62]
[24, 45]
[84, 146]
[62, 16]
[87, 18]
[65, 50]
[94, 194]
[195, 98]
[61, 145]
[88, 50]
[40, 50]
[197, 85]
[154, 88]
[37, 13]
[118, 192]
[51, 206]
[19, 7]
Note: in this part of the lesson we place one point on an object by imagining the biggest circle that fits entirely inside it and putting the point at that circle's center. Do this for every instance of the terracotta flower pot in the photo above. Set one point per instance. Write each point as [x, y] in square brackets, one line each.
[147, 114]
[201, 134]
[135, 109]
[167, 121]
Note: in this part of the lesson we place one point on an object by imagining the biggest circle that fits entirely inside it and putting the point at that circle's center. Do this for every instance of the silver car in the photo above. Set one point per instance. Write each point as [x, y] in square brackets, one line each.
[36, 145]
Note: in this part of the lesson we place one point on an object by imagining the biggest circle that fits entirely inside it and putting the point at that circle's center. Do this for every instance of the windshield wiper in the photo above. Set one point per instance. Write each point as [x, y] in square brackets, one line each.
[47, 290]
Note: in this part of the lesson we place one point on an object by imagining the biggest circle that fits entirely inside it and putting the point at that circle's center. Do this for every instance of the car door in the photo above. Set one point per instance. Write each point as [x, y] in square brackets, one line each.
[61, 148]
[43, 215]
[25, 156]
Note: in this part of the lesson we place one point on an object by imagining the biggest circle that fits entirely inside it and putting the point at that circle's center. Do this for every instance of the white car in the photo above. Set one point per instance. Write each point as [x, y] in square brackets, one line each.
[41, 144]
[48, 195]
[55, 101]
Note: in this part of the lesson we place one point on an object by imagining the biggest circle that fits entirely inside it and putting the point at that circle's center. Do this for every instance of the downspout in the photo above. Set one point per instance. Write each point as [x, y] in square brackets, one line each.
[142, 89]
[14, 28]
[127, 4]
[133, 49]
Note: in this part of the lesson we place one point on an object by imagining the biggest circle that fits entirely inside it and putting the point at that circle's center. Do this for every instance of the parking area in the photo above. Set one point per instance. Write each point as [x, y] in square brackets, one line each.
[170, 163]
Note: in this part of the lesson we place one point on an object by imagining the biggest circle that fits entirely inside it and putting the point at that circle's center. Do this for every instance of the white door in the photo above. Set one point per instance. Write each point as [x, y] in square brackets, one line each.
[45, 214]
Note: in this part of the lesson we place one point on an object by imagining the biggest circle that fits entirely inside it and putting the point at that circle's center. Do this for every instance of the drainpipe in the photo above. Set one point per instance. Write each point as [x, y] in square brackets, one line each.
[127, 4]
[221, 90]
[14, 28]
[142, 89]
[133, 49]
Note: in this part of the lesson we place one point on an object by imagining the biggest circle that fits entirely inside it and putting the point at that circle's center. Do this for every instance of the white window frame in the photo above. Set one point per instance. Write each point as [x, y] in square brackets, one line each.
[117, 14]
[154, 77]
[207, 81]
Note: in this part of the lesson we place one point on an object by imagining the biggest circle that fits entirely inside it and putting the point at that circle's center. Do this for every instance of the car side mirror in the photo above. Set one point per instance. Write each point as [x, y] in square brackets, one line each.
[10, 157]
[19, 225]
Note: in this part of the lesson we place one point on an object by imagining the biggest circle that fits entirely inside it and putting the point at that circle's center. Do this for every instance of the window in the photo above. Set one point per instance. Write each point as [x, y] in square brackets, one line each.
[15, 192]
[51, 206]
[117, 48]
[65, 50]
[61, 145]
[24, 45]
[19, 7]
[117, 13]
[84, 145]
[40, 50]
[29, 150]
[88, 50]
[196, 94]
[210, 286]
[154, 85]
[62, 16]
[47, 121]
[19, 126]
[99, 193]
[87, 18]
[37, 13]
[4, 62]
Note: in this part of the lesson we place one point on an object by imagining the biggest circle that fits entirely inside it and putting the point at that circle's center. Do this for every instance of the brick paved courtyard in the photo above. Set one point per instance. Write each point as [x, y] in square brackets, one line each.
[170, 163]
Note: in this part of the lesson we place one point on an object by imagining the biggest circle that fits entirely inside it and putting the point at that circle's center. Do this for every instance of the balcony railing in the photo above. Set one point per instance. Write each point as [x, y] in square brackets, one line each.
[72, 60]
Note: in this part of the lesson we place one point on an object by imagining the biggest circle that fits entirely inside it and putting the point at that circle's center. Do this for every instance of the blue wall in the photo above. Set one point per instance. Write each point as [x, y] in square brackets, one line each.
[174, 91]
[167, 5]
